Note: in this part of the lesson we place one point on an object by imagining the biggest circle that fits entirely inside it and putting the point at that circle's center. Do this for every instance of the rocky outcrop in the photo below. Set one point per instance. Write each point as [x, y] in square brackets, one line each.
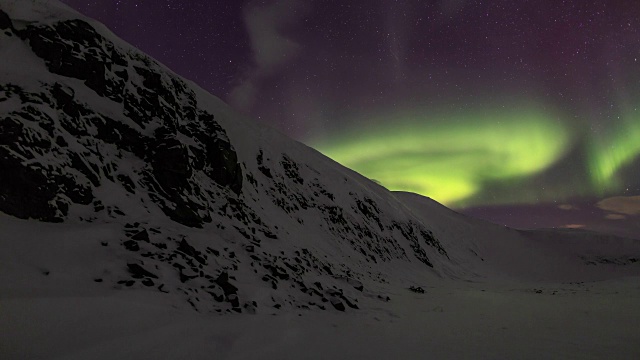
[42, 123]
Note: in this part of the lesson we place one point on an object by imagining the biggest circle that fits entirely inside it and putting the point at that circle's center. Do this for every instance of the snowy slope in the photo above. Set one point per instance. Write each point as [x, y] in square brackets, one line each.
[540, 255]
[123, 183]
[198, 201]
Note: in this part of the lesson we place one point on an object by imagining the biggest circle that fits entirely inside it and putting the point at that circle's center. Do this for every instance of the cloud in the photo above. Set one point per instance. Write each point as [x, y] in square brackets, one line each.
[574, 226]
[567, 207]
[629, 205]
[271, 48]
[615, 217]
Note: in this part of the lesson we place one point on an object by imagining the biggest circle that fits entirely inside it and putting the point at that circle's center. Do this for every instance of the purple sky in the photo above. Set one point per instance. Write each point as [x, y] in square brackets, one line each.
[266, 57]
[309, 67]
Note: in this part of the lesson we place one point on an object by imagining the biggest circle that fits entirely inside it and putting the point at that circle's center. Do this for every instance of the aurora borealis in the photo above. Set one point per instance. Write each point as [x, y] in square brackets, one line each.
[614, 151]
[474, 103]
[450, 156]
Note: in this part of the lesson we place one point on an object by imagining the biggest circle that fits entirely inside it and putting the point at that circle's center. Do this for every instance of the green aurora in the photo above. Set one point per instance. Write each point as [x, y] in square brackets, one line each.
[452, 158]
[613, 151]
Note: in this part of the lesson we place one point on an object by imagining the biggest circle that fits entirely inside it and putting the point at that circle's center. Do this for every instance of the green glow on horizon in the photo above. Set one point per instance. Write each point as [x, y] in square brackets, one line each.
[449, 157]
[611, 152]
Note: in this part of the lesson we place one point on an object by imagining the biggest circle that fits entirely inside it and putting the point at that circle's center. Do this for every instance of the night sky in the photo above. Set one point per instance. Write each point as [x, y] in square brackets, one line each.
[522, 112]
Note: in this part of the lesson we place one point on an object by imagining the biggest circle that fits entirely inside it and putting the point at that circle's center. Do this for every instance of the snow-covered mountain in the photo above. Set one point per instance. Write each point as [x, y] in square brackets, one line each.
[135, 207]
[117, 174]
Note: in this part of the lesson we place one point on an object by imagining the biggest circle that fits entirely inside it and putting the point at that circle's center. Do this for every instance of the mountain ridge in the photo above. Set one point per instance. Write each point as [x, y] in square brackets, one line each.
[97, 132]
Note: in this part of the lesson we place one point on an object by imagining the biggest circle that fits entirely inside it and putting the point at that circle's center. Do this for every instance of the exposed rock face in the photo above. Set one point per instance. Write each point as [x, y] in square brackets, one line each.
[102, 133]
[74, 49]
[90, 145]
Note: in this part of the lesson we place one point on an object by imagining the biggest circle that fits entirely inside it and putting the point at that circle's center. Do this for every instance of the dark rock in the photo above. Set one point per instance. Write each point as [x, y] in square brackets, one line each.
[266, 171]
[337, 304]
[76, 191]
[172, 172]
[122, 135]
[141, 236]
[416, 289]
[216, 292]
[349, 303]
[5, 21]
[139, 272]
[184, 277]
[170, 161]
[223, 166]
[429, 239]
[269, 234]
[251, 307]
[26, 191]
[277, 271]
[64, 97]
[60, 141]
[233, 299]
[131, 245]
[55, 45]
[191, 251]
[291, 169]
[223, 282]
[98, 206]
[12, 130]
[127, 184]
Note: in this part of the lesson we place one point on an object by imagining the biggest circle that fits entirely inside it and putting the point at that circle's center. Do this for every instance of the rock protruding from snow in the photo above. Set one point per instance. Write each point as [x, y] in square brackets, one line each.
[60, 147]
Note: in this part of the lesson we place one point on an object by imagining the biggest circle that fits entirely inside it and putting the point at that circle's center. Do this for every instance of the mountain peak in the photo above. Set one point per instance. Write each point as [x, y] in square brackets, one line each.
[97, 132]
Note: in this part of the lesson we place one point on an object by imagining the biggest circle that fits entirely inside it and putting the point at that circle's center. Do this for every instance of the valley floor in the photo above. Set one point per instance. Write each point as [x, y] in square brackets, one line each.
[451, 320]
